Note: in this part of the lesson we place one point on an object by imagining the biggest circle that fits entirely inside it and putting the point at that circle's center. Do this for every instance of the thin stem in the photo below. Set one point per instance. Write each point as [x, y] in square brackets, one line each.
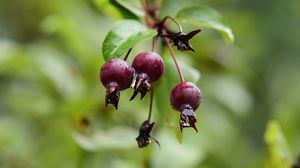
[175, 61]
[157, 3]
[168, 17]
[145, 7]
[127, 54]
[151, 104]
[144, 3]
[154, 42]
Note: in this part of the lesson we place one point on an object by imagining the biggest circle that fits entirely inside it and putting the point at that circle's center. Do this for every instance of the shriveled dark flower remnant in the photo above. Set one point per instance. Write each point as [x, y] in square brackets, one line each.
[142, 85]
[188, 118]
[144, 136]
[112, 95]
[181, 40]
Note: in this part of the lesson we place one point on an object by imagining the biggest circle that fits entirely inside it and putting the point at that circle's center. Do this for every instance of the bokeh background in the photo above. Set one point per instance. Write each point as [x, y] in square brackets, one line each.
[52, 110]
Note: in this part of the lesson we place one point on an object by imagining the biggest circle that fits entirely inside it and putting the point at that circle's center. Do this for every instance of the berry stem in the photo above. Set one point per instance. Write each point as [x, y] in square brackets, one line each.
[169, 17]
[157, 3]
[127, 54]
[146, 8]
[151, 104]
[154, 42]
[175, 61]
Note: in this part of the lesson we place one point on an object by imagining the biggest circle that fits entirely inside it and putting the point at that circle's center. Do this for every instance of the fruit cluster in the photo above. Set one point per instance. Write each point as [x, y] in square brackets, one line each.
[148, 67]
[117, 75]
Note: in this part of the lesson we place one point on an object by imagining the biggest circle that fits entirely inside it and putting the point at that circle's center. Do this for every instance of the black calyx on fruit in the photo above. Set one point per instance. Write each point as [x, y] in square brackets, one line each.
[188, 118]
[112, 95]
[142, 85]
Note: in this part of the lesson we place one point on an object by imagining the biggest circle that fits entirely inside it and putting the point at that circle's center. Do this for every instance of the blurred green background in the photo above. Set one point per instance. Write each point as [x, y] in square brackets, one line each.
[52, 110]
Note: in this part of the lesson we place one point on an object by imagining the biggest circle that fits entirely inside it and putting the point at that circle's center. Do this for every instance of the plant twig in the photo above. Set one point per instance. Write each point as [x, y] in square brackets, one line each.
[168, 17]
[157, 4]
[127, 54]
[175, 61]
[146, 8]
[151, 104]
[154, 43]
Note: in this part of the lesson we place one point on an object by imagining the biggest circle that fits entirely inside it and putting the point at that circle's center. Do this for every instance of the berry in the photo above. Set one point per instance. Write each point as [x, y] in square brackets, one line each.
[149, 67]
[149, 63]
[186, 98]
[115, 75]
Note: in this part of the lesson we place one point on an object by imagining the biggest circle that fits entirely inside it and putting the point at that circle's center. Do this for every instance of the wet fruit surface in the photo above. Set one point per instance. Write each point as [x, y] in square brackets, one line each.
[149, 63]
[115, 75]
[185, 93]
[118, 71]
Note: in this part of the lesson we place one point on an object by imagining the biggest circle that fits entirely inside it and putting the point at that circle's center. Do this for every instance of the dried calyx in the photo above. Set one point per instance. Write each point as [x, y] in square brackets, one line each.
[142, 85]
[112, 94]
[144, 137]
[188, 118]
[181, 40]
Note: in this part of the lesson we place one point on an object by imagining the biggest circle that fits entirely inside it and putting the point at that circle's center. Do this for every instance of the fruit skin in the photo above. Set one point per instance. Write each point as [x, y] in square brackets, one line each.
[115, 75]
[149, 67]
[185, 93]
[118, 71]
[149, 63]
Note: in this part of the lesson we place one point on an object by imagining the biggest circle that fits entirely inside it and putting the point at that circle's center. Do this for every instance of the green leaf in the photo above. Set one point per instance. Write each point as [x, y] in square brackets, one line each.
[123, 36]
[279, 154]
[186, 155]
[115, 138]
[133, 6]
[106, 7]
[206, 17]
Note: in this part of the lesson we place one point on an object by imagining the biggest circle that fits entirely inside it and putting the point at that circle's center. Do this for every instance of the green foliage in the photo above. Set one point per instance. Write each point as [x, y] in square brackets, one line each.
[202, 16]
[123, 36]
[132, 5]
[106, 7]
[116, 138]
[49, 66]
[279, 153]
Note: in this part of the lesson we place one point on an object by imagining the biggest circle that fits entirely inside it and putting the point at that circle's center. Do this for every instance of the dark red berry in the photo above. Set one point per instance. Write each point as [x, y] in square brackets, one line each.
[149, 63]
[115, 75]
[186, 98]
[185, 93]
[149, 67]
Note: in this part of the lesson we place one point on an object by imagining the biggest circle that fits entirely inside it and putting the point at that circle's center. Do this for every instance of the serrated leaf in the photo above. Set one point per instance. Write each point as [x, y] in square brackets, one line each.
[279, 154]
[206, 17]
[133, 6]
[123, 36]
